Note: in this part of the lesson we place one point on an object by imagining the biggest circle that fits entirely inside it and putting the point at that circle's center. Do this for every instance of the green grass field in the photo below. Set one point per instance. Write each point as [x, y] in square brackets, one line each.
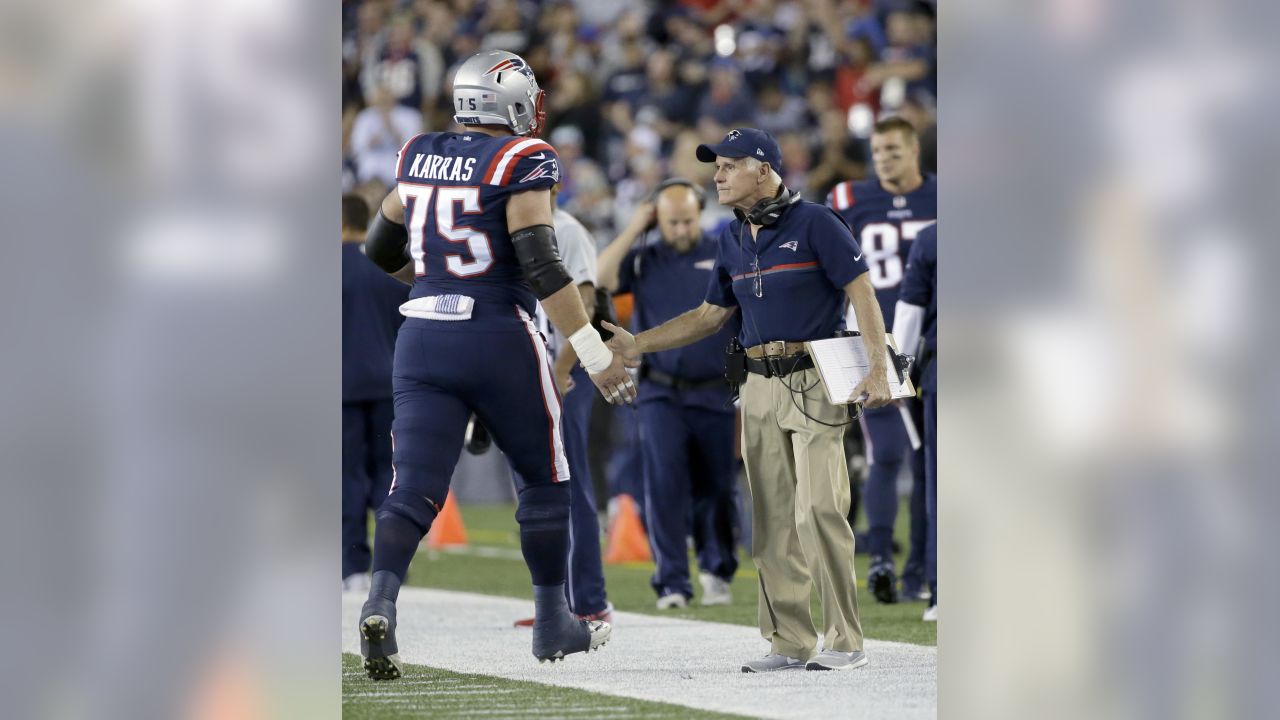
[427, 692]
[491, 564]
[494, 527]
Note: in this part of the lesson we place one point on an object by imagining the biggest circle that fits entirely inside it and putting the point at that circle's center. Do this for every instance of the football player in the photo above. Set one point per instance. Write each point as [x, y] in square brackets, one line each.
[886, 213]
[469, 224]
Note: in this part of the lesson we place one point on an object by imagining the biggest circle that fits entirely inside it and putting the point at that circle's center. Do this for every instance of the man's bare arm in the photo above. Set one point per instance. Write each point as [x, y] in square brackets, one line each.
[871, 324]
[679, 331]
[568, 356]
[684, 329]
[525, 212]
[611, 257]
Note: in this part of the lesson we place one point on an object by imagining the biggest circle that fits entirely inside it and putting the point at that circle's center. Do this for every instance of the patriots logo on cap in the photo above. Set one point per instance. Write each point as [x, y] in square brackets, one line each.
[508, 64]
[733, 135]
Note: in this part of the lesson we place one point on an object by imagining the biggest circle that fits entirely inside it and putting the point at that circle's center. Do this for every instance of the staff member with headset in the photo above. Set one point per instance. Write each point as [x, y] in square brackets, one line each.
[789, 265]
[685, 409]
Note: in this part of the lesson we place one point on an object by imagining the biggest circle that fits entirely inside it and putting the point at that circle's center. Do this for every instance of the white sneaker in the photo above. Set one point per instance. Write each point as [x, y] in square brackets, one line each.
[836, 660]
[674, 600]
[930, 614]
[715, 590]
[356, 582]
[771, 663]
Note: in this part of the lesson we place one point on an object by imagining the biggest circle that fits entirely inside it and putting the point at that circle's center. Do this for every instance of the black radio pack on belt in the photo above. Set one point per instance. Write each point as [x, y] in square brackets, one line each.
[735, 364]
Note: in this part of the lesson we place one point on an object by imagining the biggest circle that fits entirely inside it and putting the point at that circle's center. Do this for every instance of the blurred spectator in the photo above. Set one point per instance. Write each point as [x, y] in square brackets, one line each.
[672, 101]
[626, 80]
[853, 82]
[504, 28]
[378, 133]
[570, 101]
[839, 157]
[727, 104]
[909, 58]
[776, 112]
[625, 87]
[409, 66]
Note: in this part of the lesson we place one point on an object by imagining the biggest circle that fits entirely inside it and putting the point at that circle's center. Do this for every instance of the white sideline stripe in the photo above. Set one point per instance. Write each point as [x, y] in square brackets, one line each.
[685, 662]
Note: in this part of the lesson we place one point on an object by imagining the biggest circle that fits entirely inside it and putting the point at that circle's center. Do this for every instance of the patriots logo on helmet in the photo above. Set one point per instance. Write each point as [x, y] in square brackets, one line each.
[513, 63]
[547, 168]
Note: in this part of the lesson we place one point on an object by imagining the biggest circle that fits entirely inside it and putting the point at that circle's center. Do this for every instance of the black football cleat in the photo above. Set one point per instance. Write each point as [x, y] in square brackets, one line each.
[378, 640]
[568, 635]
[883, 582]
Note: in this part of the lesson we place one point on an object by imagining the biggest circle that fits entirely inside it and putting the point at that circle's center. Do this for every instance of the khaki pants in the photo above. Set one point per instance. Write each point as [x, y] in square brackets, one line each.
[799, 497]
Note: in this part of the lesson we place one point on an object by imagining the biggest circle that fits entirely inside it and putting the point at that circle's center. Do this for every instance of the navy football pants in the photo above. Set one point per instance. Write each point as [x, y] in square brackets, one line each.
[689, 488]
[584, 582]
[494, 366]
[366, 476]
[887, 446]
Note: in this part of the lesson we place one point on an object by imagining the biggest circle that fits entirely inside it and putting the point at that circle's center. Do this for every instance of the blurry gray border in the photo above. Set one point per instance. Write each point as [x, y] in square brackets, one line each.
[1108, 185]
[171, 359]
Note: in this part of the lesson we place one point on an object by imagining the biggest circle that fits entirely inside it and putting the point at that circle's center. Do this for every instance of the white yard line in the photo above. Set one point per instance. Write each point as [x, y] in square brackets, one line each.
[685, 662]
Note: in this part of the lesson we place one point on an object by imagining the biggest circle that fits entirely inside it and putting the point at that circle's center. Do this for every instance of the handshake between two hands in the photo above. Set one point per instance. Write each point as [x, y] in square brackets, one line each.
[616, 386]
[614, 382]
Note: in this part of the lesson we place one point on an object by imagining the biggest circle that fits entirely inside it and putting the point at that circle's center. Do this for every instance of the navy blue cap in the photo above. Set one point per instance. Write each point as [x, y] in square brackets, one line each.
[745, 142]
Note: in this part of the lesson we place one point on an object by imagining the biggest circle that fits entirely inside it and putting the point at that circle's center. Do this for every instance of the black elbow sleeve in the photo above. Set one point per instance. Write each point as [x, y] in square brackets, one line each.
[387, 244]
[536, 250]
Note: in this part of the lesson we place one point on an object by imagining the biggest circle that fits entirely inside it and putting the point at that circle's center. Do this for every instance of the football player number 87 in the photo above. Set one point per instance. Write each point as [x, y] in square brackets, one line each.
[879, 244]
[447, 202]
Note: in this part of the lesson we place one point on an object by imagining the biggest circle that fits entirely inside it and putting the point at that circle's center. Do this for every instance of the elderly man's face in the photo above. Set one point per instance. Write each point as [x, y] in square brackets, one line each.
[678, 216]
[736, 180]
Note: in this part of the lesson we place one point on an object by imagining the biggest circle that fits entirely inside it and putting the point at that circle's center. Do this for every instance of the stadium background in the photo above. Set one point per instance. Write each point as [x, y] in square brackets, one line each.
[632, 89]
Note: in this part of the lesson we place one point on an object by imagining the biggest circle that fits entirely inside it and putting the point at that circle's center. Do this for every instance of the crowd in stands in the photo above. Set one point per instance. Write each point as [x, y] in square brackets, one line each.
[634, 87]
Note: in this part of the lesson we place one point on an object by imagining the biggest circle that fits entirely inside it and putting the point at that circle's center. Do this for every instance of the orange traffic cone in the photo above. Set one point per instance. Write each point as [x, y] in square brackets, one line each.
[627, 541]
[447, 530]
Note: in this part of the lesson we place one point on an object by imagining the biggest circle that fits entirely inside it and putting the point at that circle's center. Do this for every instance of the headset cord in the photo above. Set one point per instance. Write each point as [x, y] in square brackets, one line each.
[786, 382]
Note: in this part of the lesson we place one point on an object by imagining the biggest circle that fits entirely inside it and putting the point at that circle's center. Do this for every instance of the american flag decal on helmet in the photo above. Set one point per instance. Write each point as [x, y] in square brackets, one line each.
[508, 64]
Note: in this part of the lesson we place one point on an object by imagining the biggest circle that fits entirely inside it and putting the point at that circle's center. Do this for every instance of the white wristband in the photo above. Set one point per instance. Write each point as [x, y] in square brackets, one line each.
[592, 352]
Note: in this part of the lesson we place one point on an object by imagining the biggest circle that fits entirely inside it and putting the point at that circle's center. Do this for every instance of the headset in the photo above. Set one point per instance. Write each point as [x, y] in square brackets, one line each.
[767, 211]
[698, 192]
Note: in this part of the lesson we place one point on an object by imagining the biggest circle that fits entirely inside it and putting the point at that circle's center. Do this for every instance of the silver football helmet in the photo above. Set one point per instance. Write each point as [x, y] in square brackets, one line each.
[496, 87]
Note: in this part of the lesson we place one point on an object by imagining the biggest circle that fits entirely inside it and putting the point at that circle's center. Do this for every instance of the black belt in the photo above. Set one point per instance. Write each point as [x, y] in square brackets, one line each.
[679, 383]
[779, 366]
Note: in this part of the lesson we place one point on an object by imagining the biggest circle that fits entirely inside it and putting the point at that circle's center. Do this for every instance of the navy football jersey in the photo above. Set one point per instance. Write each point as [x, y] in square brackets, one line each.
[455, 188]
[885, 224]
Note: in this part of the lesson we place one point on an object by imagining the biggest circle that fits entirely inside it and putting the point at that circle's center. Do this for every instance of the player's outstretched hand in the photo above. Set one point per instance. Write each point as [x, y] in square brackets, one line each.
[615, 383]
[623, 343]
[876, 388]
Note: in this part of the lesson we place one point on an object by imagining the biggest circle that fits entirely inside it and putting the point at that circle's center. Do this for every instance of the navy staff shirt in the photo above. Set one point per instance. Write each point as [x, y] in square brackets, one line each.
[370, 320]
[665, 284]
[804, 261]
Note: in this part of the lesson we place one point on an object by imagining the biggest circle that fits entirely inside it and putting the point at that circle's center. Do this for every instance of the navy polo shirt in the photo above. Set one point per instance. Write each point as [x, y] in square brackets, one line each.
[370, 320]
[804, 262]
[665, 284]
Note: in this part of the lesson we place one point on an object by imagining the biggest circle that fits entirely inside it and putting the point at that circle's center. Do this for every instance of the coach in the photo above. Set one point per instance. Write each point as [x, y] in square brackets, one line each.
[789, 265]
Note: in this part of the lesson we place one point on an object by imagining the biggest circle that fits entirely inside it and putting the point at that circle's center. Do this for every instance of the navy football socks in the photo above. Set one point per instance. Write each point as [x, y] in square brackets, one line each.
[395, 540]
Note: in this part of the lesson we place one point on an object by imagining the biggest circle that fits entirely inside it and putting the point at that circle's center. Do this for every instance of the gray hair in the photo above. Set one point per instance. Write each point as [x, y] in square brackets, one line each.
[754, 164]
